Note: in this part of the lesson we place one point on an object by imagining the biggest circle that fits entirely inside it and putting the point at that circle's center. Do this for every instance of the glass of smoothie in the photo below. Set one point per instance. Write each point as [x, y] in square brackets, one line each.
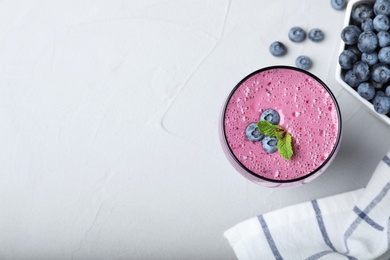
[280, 127]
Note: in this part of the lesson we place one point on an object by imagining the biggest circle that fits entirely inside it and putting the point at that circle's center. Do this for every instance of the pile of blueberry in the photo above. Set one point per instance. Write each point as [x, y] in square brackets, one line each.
[297, 34]
[252, 132]
[365, 61]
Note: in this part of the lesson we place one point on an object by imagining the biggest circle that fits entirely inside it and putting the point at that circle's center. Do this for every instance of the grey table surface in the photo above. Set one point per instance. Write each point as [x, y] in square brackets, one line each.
[110, 109]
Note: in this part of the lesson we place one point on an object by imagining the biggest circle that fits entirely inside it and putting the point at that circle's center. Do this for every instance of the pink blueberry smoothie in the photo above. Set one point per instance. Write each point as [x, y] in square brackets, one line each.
[307, 110]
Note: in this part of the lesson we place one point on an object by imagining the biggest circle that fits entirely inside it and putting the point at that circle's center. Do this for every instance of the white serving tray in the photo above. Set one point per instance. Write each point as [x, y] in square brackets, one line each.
[339, 74]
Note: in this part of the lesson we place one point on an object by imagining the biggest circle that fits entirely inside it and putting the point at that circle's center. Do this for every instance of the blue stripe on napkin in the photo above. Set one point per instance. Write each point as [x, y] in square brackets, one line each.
[386, 160]
[366, 218]
[321, 225]
[270, 240]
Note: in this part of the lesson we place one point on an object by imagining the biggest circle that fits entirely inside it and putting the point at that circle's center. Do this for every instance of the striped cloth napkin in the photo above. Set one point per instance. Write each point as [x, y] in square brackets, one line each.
[352, 225]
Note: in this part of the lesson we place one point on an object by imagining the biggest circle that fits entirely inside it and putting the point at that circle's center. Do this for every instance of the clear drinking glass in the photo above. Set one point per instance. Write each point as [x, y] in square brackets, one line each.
[308, 111]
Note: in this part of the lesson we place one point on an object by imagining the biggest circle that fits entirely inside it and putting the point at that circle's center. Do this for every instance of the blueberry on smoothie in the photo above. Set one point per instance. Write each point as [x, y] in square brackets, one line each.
[366, 90]
[362, 11]
[252, 133]
[382, 7]
[271, 116]
[367, 25]
[316, 35]
[338, 4]
[277, 49]
[350, 34]
[361, 70]
[350, 79]
[382, 105]
[384, 55]
[303, 62]
[367, 41]
[347, 58]
[383, 38]
[381, 22]
[370, 58]
[270, 144]
[296, 34]
[380, 73]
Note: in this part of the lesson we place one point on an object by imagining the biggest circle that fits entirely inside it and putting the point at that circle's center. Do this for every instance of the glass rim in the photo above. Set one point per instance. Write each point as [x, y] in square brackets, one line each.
[324, 163]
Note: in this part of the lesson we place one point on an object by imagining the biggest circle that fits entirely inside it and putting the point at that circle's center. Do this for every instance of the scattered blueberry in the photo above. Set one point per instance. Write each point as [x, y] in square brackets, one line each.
[347, 58]
[296, 34]
[316, 35]
[366, 90]
[303, 62]
[271, 116]
[383, 38]
[270, 144]
[381, 22]
[252, 133]
[361, 70]
[350, 79]
[380, 73]
[350, 34]
[338, 4]
[367, 25]
[362, 11]
[277, 49]
[370, 58]
[382, 105]
[387, 91]
[382, 7]
[384, 55]
[367, 41]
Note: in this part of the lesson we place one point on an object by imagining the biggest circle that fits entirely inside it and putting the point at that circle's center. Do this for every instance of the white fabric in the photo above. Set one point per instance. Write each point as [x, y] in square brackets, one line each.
[352, 225]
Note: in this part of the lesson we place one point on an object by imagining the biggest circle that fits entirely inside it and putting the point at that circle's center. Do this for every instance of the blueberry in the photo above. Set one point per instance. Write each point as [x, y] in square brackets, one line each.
[347, 58]
[383, 38]
[362, 11]
[370, 58]
[350, 79]
[271, 116]
[355, 49]
[277, 49]
[367, 25]
[270, 144]
[303, 62]
[381, 22]
[382, 7]
[361, 70]
[378, 94]
[380, 73]
[387, 91]
[350, 34]
[252, 133]
[296, 34]
[338, 4]
[384, 55]
[382, 105]
[376, 85]
[316, 35]
[367, 41]
[366, 90]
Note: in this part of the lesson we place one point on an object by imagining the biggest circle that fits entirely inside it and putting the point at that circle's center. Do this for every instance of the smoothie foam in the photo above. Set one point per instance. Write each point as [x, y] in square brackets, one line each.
[307, 111]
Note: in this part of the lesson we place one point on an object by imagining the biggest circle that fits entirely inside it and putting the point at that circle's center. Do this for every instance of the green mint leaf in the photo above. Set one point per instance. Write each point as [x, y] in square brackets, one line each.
[269, 129]
[285, 146]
